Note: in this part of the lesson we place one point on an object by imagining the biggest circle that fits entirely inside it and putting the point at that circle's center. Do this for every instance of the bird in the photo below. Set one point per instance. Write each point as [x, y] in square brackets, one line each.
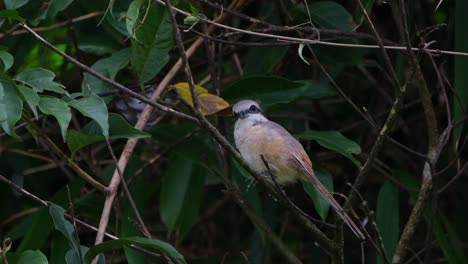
[256, 136]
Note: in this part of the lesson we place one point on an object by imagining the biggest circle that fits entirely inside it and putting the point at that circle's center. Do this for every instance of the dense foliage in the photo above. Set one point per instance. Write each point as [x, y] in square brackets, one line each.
[375, 90]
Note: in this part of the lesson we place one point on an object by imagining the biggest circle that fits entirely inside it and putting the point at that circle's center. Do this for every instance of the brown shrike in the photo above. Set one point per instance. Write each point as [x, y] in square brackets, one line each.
[255, 135]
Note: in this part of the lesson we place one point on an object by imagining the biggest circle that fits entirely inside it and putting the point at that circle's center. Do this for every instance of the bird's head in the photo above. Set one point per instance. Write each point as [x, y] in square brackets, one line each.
[248, 109]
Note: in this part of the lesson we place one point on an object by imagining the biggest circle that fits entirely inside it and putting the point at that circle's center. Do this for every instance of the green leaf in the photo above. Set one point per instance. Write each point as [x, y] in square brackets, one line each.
[262, 60]
[108, 67]
[11, 105]
[32, 256]
[62, 225]
[137, 241]
[329, 14]
[15, 4]
[152, 42]
[133, 13]
[58, 109]
[449, 240]
[57, 6]
[460, 101]
[11, 14]
[31, 97]
[192, 202]
[387, 218]
[95, 108]
[77, 140]
[174, 187]
[321, 204]
[269, 91]
[118, 128]
[335, 141]
[6, 59]
[39, 79]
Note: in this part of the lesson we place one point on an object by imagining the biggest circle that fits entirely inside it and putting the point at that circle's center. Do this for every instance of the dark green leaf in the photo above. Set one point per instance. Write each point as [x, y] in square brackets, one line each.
[321, 204]
[460, 101]
[39, 79]
[37, 231]
[262, 60]
[31, 97]
[138, 241]
[11, 105]
[192, 201]
[108, 67]
[11, 14]
[59, 109]
[77, 140]
[32, 256]
[387, 218]
[62, 225]
[335, 141]
[72, 256]
[329, 14]
[118, 128]
[152, 42]
[6, 59]
[175, 184]
[268, 90]
[93, 107]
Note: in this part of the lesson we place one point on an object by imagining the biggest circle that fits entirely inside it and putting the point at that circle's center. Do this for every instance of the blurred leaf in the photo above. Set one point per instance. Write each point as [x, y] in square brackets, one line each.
[6, 59]
[150, 47]
[335, 141]
[118, 128]
[262, 60]
[59, 247]
[59, 109]
[14, 4]
[272, 91]
[93, 107]
[108, 67]
[72, 256]
[11, 14]
[209, 103]
[192, 202]
[38, 231]
[31, 97]
[137, 241]
[50, 10]
[39, 79]
[321, 204]
[32, 256]
[460, 101]
[62, 225]
[368, 5]
[11, 105]
[181, 192]
[329, 14]
[387, 217]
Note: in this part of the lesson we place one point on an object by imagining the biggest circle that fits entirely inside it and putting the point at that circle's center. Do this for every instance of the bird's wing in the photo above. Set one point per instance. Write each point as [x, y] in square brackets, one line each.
[309, 173]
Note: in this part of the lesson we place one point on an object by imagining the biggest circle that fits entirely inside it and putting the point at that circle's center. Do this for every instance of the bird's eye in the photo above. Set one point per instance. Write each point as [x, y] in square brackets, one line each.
[253, 108]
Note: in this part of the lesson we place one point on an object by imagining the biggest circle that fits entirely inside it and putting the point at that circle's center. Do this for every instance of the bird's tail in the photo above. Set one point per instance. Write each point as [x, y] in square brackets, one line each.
[327, 195]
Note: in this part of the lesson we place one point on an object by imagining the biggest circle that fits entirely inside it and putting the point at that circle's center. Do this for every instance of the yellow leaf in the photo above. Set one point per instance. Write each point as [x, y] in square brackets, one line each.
[211, 104]
[184, 91]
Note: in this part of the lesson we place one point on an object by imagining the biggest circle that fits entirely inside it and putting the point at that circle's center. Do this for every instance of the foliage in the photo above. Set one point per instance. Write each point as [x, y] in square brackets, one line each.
[315, 68]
